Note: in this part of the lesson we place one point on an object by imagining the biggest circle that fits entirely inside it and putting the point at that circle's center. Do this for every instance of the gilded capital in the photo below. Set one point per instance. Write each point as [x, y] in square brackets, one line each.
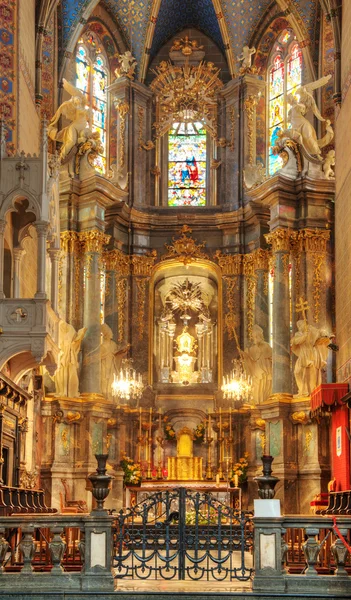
[249, 265]
[142, 264]
[93, 240]
[314, 240]
[280, 240]
[69, 241]
[261, 259]
[231, 264]
[115, 260]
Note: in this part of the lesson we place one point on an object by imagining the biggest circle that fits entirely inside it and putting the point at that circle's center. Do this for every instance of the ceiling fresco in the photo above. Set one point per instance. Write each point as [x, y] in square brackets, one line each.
[133, 18]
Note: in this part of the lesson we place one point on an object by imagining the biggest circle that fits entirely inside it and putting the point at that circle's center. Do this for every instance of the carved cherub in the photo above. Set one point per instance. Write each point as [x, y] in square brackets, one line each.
[127, 65]
[246, 57]
[329, 162]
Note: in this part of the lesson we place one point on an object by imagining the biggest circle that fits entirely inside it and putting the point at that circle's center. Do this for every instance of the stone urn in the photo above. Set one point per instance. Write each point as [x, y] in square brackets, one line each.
[100, 482]
[266, 482]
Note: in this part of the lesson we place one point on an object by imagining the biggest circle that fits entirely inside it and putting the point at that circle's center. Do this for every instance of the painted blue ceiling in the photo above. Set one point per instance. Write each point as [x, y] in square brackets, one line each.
[176, 15]
[241, 16]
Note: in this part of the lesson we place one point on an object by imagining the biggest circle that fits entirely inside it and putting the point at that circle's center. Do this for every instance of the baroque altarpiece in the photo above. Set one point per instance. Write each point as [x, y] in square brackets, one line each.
[168, 235]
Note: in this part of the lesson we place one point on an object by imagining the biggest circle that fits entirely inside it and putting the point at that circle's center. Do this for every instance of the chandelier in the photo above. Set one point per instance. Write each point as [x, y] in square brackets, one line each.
[237, 386]
[128, 384]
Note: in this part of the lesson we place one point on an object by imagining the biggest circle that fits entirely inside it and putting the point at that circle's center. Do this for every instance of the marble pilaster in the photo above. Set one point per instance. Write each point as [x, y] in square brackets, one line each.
[18, 254]
[2, 231]
[42, 230]
[261, 269]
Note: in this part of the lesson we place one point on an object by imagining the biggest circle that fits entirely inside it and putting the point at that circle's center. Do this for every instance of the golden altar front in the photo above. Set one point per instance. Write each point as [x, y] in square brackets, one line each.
[185, 466]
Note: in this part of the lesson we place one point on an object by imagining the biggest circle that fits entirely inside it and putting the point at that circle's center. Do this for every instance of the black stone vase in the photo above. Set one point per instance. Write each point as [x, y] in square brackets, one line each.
[100, 482]
[266, 482]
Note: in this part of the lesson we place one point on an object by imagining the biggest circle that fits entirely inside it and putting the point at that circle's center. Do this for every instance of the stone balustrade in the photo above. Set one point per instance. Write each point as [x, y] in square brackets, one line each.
[22, 500]
[324, 556]
[23, 538]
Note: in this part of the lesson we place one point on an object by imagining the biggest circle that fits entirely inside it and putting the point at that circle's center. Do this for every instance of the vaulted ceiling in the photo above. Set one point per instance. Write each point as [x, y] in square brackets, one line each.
[148, 24]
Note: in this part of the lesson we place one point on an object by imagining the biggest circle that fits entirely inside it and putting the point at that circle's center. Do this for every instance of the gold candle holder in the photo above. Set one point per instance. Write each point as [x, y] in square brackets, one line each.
[209, 475]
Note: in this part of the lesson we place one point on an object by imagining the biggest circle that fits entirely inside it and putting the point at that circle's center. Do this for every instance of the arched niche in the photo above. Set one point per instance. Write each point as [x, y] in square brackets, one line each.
[182, 334]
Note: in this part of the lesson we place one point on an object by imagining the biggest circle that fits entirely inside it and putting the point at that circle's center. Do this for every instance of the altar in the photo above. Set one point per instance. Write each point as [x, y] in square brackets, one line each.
[185, 466]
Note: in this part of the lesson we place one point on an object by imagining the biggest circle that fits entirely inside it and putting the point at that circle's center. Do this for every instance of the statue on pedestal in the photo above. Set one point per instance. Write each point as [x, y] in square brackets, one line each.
[311, 347]
[246, 57]
[66, 376]
[127, 65]
[258, 364]
[111, 359]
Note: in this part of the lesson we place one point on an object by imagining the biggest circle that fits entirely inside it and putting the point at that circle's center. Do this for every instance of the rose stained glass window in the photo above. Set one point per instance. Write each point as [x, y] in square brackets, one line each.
[91, 78]
[284, 78]
[187, 165]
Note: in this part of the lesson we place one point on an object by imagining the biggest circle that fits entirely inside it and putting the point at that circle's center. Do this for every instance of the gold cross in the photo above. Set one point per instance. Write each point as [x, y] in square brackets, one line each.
[302, 307]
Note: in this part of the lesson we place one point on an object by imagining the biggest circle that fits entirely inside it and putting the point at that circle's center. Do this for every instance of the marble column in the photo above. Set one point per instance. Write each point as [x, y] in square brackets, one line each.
[18, 253]
[92, 243]
[280, 242]
[55, 258]
[2, 231]
[261, 269]
[42, 230]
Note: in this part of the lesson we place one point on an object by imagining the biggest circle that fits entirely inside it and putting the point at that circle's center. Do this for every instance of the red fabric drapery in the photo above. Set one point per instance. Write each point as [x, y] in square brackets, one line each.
[328, 394]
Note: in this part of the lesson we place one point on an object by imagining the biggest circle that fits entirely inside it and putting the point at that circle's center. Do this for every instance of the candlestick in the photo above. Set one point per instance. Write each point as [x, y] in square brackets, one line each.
[139, 421]
[220, 422]
[209, 425]
[236, 480]
[150, 419]
[230, 421]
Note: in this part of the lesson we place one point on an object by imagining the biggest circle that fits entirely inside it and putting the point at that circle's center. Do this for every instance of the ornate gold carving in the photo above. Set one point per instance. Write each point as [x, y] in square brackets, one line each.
[142, 264]
[123, 109]
[88, 262]
[280, 240]
[232, 128]
[115, 260]
[72, 416]
[230, 319]
[308, 440]
[121, 305]
[190, 87]
[141, 297]
[70, 241]
[263, 441]
[286, 263]
[250, 278]
[112, 422]
[149, 145]
[185, 248]
[315, 241]
[299, 417]
[250, 108]
[185, 46]
[231, 264]
[261, 259]
[93, 240]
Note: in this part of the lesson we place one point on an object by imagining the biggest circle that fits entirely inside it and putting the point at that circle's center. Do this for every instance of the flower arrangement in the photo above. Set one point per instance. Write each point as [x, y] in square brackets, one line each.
[199, 433]
[170, 434]
[239, 471]
[132, 472]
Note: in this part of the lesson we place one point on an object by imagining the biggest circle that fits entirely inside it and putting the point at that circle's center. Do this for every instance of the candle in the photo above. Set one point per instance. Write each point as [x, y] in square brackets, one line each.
[236, 480]
[230, 421]
[140, 421]
[220, 422]
[217, 479]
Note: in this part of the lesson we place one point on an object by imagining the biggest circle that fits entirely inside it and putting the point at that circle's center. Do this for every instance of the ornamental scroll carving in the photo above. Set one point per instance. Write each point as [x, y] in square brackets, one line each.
[142, 266]
[314, 241]
[185, 248]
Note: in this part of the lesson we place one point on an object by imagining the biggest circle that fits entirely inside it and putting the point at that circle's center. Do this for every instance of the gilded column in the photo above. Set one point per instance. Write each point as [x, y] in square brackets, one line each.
[117, 267]
[280, 242]
[2, 231]
[18, 253]
[261, 268]
[313, 243]
[42, 230]
[55, 258]
[92, 245]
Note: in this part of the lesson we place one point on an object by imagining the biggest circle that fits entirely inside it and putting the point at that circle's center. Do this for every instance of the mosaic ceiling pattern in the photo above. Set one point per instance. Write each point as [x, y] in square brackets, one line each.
[242, 16]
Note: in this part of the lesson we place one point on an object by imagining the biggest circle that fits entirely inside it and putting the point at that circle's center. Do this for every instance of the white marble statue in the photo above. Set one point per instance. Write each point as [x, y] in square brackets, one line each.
[127, 65]
[76, 111]
[300, 104]
[66, 376]
[329, 162]
[258, 364]
[311, 348]
[246, 57]
[111, 359]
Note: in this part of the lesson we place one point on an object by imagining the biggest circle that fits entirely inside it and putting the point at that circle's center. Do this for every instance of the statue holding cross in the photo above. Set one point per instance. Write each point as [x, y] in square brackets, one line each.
[310, 345]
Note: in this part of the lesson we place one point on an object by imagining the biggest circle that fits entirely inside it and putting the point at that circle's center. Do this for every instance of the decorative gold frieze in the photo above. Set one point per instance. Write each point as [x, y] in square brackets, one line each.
[141, 283]
[70, 242]
[185, 248]
[230, 318]
[261, 259]
[250, 108]
[121, 306]
[315, 241]
[142, 264]
[93, 240]
[123, 109]
[115, 260]
[149, 145]
[250, 279]
[231, 264]
[299, 417]
[279, 239]
[232, 128]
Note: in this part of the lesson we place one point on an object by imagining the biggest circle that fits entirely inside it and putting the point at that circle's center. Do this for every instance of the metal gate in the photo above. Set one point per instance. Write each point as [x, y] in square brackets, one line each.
[181, 534]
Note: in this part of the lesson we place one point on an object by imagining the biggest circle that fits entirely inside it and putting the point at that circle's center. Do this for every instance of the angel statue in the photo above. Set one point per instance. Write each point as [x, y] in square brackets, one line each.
[246, 57]
[76, 111]
[301, 102]
[127, 65]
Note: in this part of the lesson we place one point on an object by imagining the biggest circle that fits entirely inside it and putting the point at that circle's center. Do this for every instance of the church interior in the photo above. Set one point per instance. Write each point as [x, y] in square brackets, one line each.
[175, 257]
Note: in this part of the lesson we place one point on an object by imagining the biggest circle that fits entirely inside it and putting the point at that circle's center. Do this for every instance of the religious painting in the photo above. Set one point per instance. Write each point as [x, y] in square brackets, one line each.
[187, 165]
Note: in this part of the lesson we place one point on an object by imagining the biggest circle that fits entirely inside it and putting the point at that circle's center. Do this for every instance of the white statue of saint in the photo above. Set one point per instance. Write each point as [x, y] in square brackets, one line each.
[111, 359]
[311, 347]
[127, 65]
[77, 112]
[246, 57]
[66, 376]
[300, 103]
[258, 364]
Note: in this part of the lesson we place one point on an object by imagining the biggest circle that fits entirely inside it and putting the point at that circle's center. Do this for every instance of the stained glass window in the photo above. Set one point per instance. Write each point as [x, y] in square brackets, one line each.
[91, 78]
[187, 165]
[284, 78]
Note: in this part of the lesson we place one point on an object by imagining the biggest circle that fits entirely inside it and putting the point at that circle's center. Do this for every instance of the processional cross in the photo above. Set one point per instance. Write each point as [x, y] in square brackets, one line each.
[302, 307]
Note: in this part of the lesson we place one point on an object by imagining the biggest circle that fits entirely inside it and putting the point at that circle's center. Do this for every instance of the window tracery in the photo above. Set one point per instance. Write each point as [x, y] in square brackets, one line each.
[284, 77]
[92, 80]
